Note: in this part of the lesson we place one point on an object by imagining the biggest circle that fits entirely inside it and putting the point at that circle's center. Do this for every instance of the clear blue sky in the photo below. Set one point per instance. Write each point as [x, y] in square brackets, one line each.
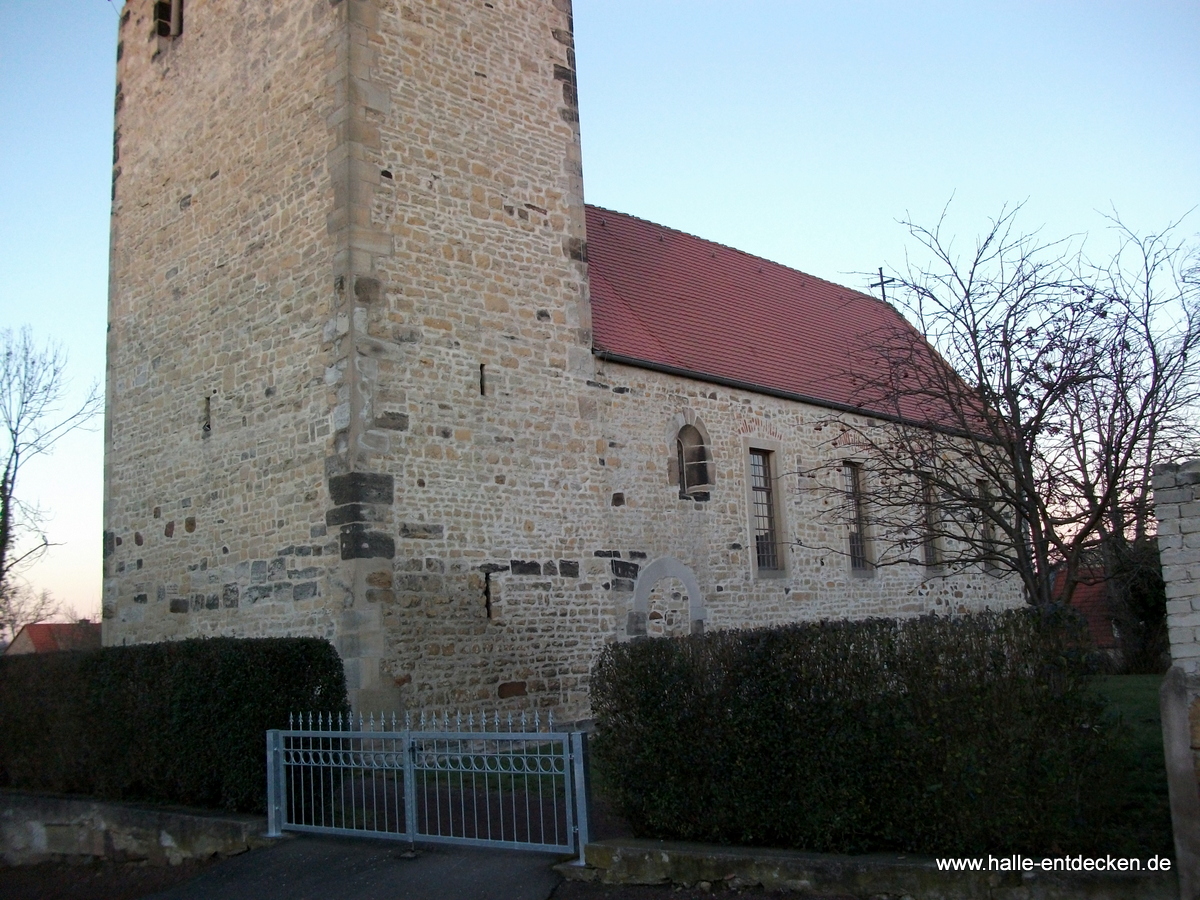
[798, 131]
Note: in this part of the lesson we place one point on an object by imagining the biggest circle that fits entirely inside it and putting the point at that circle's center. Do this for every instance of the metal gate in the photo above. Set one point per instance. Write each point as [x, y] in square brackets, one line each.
[489, 782]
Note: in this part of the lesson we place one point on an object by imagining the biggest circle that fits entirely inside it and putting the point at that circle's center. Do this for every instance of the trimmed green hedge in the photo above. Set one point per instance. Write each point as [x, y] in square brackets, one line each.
[179, 722]
[932, 735]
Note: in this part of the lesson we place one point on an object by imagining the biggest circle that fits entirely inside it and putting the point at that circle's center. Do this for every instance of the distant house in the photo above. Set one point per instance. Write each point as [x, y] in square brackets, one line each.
[51, 637]
[1090, 600]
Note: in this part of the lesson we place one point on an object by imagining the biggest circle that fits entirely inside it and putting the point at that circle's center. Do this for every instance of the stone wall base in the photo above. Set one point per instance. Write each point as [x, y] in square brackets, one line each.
[42, 827]
[629, 861]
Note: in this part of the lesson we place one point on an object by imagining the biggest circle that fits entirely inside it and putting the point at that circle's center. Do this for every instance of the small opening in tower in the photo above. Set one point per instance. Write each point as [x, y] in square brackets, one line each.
[385, 173]
[482, 381]
[168, 18]
[206, 427]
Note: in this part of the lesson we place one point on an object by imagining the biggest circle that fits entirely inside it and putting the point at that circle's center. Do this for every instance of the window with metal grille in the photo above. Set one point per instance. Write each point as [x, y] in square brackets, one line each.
[930, 522]
[859, 561]
[766, 546]
[694, 462]
[987, 526]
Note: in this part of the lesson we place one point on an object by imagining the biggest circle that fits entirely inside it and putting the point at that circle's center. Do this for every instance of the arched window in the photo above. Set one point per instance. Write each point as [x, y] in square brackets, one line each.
[693, 461]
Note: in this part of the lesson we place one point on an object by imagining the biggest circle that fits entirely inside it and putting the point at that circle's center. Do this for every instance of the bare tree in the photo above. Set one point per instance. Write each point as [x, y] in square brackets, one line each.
[21, 605]
[34, 416]
[1020, 419]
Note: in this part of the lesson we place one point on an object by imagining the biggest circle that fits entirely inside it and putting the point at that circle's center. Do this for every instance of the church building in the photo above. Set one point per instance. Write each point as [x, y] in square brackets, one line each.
[377, 373]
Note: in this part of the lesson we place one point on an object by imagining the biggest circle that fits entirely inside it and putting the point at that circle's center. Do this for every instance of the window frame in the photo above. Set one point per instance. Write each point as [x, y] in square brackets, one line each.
[931, 546]
[772, 452]
[858, 538]
[687, 433]
[693, 457]
[989, 547]
[168, 18]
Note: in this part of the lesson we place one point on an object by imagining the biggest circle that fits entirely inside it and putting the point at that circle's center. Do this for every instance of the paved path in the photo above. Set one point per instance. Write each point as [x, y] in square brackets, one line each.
[312, 868]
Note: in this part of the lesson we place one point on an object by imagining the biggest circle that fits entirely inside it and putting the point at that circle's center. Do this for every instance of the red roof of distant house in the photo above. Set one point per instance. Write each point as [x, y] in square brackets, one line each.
[674, 301]
[50, 637]
[1090, 598]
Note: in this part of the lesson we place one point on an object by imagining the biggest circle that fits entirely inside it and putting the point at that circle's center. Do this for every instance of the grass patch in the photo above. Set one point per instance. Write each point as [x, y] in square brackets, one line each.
[1132, 808]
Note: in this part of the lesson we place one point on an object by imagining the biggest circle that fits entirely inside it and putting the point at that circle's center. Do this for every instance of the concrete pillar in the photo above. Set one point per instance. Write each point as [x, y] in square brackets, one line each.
[1177, 506]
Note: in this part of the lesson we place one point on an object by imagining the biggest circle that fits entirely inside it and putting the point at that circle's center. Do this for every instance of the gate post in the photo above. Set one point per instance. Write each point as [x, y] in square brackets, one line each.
[275, 783]
[582, 814]
[410, 787]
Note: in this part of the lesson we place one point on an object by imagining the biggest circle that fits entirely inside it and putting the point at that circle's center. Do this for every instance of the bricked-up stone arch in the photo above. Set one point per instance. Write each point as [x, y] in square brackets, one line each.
[650, 575]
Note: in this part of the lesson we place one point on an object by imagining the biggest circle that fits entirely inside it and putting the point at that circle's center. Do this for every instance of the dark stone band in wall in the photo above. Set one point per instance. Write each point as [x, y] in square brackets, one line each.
[356, 542]
[361, 487]
[623, 569]
[420, 531]
[367, 290]
[355, 512]
[392, 421]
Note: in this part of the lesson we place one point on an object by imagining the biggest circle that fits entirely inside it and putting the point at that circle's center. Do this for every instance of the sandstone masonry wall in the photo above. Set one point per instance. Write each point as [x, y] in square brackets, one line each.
[218, 413]
[487, 604]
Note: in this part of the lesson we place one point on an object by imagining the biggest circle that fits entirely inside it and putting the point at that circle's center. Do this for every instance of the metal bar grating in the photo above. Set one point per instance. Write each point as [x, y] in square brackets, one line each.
[761, 484]
[497, 784]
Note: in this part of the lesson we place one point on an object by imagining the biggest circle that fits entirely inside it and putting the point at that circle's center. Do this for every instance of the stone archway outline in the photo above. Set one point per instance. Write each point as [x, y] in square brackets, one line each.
[652, 574]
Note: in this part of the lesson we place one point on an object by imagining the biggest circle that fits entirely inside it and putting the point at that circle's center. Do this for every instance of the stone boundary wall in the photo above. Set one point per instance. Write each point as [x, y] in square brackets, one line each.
[38, 828]
[867, 877]
[1177, 507]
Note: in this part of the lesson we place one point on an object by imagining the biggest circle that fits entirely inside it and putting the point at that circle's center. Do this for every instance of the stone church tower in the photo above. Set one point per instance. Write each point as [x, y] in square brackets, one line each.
[348, 321]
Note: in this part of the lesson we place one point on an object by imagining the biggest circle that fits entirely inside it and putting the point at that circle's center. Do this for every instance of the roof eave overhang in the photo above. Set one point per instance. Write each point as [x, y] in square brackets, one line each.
[609, 356]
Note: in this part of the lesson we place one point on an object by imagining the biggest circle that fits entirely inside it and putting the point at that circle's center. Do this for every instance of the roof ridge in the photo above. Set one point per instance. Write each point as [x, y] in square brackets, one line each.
[745, 253]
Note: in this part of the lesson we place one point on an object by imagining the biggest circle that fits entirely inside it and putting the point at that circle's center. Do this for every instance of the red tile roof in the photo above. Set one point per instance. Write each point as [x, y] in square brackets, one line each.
[1090, 599]
[674, 301]
[49, 637]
